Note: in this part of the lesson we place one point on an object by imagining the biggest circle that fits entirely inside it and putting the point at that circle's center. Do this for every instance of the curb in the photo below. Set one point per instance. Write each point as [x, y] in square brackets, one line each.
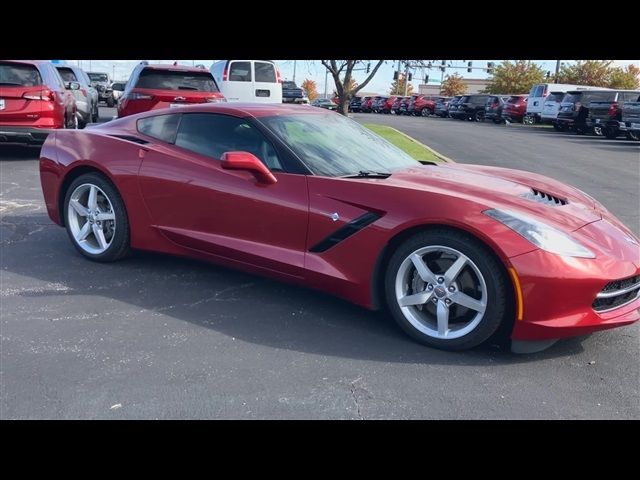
[437, 154]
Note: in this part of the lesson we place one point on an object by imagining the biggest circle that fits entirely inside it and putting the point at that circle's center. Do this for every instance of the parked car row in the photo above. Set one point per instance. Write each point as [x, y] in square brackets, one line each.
[583, 109]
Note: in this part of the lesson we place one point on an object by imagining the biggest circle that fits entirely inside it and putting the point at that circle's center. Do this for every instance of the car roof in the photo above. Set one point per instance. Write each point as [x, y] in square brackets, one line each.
[31, 62]
[175, 68]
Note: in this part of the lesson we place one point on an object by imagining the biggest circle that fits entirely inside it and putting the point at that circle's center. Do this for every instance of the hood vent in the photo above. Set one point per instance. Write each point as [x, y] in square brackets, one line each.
[546, 198]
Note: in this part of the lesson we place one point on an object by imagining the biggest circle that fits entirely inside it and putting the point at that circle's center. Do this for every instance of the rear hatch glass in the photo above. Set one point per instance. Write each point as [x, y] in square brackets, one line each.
[176, 80]
[266, 72]
[17, 80]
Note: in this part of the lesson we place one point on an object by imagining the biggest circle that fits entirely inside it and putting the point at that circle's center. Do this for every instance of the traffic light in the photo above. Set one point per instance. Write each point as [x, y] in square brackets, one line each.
[489, 67]
[426, 79]
[469, 65]
[548, 74]
[368, 66]
[395, 75]
[410, 76]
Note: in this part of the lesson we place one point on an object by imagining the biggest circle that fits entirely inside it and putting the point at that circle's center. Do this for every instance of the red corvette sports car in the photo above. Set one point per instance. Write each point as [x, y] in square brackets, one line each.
[455, 252]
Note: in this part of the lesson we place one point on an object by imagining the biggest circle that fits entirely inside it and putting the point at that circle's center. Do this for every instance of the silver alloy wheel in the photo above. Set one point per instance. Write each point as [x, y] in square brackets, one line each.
[91, 218]
[447, 303]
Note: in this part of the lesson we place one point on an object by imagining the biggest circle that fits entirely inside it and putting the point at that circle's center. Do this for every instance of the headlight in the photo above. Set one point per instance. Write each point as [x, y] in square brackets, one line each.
[540, 234]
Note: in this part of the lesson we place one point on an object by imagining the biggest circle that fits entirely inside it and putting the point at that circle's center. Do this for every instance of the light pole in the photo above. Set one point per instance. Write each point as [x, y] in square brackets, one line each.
[294, 70]
[326, 73]
[557, 71]
[113, 72]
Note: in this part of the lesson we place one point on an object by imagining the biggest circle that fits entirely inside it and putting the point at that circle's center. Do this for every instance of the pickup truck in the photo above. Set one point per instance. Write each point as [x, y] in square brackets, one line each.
[291, 93]
[605, 114]
[630, 123]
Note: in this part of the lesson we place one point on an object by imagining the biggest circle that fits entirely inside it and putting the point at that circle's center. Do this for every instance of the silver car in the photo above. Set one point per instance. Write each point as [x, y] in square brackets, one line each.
[86, 96]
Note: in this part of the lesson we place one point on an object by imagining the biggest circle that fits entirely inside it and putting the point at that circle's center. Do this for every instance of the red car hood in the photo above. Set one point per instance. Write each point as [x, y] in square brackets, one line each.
[504, 188]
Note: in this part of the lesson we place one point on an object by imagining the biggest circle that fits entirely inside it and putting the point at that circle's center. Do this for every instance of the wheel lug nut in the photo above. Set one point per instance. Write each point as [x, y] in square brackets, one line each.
[435, 300]
[429, 287]
[452, 288]
[447, 301]
[440, 279]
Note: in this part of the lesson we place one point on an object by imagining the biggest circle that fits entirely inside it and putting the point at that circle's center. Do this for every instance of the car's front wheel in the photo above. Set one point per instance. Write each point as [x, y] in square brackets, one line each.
[96, 219]
[446, 289]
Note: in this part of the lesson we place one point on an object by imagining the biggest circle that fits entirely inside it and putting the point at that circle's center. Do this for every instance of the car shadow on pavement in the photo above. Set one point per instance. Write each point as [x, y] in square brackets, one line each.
[18, 152]
[243, 306]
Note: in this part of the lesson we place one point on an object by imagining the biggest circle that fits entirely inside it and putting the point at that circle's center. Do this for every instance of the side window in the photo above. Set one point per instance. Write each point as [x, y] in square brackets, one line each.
[212, 135]
[240, 72]
[56, 77]
[67, 75]
[162, 127]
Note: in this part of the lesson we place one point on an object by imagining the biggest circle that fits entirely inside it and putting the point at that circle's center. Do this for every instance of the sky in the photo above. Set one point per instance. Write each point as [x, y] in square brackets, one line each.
[313, 69]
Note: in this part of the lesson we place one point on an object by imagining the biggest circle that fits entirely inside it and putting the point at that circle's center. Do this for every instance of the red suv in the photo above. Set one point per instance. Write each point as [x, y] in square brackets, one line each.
[33, 101]
[161, 86]
[515, 108]
[387, 105]
[423, 105]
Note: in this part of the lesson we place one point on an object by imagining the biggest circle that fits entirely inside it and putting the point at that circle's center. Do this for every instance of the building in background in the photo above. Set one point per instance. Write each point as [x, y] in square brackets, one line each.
[474, 85]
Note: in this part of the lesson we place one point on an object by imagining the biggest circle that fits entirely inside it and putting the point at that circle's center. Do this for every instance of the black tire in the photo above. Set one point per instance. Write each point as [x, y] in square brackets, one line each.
[633, 135]
[110, 102]
[499, 291]
[610, 133]
[479, 116]
[95, 116]
[119, 247]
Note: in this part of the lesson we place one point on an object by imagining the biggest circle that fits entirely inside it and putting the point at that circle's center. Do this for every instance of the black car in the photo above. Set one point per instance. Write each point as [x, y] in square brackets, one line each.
[606, 114]
[324, 103]
[291, 93]
[354, 104]
[494, 106]
[574, 108]
[472, 107]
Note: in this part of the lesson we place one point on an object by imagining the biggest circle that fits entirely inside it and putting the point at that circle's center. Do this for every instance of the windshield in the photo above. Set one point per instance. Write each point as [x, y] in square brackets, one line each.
[98, 77]
[19, 74]
[332, 145]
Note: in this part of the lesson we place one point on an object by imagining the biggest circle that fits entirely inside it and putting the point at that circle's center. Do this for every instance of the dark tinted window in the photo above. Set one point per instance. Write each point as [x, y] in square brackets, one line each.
[589, 96]
[265, 72]
[19, 75]
[67, 74]
[555, 97]
[286, 84]
[240, 72]
[212, 135]
[514, 99]
[98, 77]
[176, 80]
[572, 97]
[162, 127]
[118, 86]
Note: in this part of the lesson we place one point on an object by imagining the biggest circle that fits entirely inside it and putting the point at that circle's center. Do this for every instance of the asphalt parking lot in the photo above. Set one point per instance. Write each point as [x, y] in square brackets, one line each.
[159, 337]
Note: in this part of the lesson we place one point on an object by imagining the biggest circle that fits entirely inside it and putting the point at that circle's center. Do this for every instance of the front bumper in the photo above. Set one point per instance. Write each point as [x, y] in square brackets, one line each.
[558, 292]
[24, 135]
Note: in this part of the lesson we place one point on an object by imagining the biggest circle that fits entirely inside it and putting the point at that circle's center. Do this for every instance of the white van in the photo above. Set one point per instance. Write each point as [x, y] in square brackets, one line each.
[248, 80]
[538, 95]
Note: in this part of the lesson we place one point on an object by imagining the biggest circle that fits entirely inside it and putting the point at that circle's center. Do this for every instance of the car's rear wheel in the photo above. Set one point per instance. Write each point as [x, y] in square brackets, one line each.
[610, 133]
[96, 219]
[425, 112]
[446, 289]
[479, 116]
[110, 102]
[528, 120]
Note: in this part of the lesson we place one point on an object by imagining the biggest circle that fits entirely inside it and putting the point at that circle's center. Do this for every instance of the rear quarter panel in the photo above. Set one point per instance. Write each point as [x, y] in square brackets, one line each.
[65, 152]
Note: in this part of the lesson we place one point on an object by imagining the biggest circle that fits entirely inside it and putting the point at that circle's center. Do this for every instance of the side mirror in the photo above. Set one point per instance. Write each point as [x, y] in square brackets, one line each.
[72, 85]
[250, 163]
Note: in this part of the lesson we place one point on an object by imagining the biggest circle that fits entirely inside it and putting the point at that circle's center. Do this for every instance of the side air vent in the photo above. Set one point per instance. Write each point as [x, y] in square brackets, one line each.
[131, 138]
[544, 197]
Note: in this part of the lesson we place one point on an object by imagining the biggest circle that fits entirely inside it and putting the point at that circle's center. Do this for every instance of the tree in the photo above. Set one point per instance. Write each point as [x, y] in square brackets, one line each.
[310, 88]
[453, 85]
[596, 73]
[397, 87]
[625, 78]
[515, 77]
[342, 73]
